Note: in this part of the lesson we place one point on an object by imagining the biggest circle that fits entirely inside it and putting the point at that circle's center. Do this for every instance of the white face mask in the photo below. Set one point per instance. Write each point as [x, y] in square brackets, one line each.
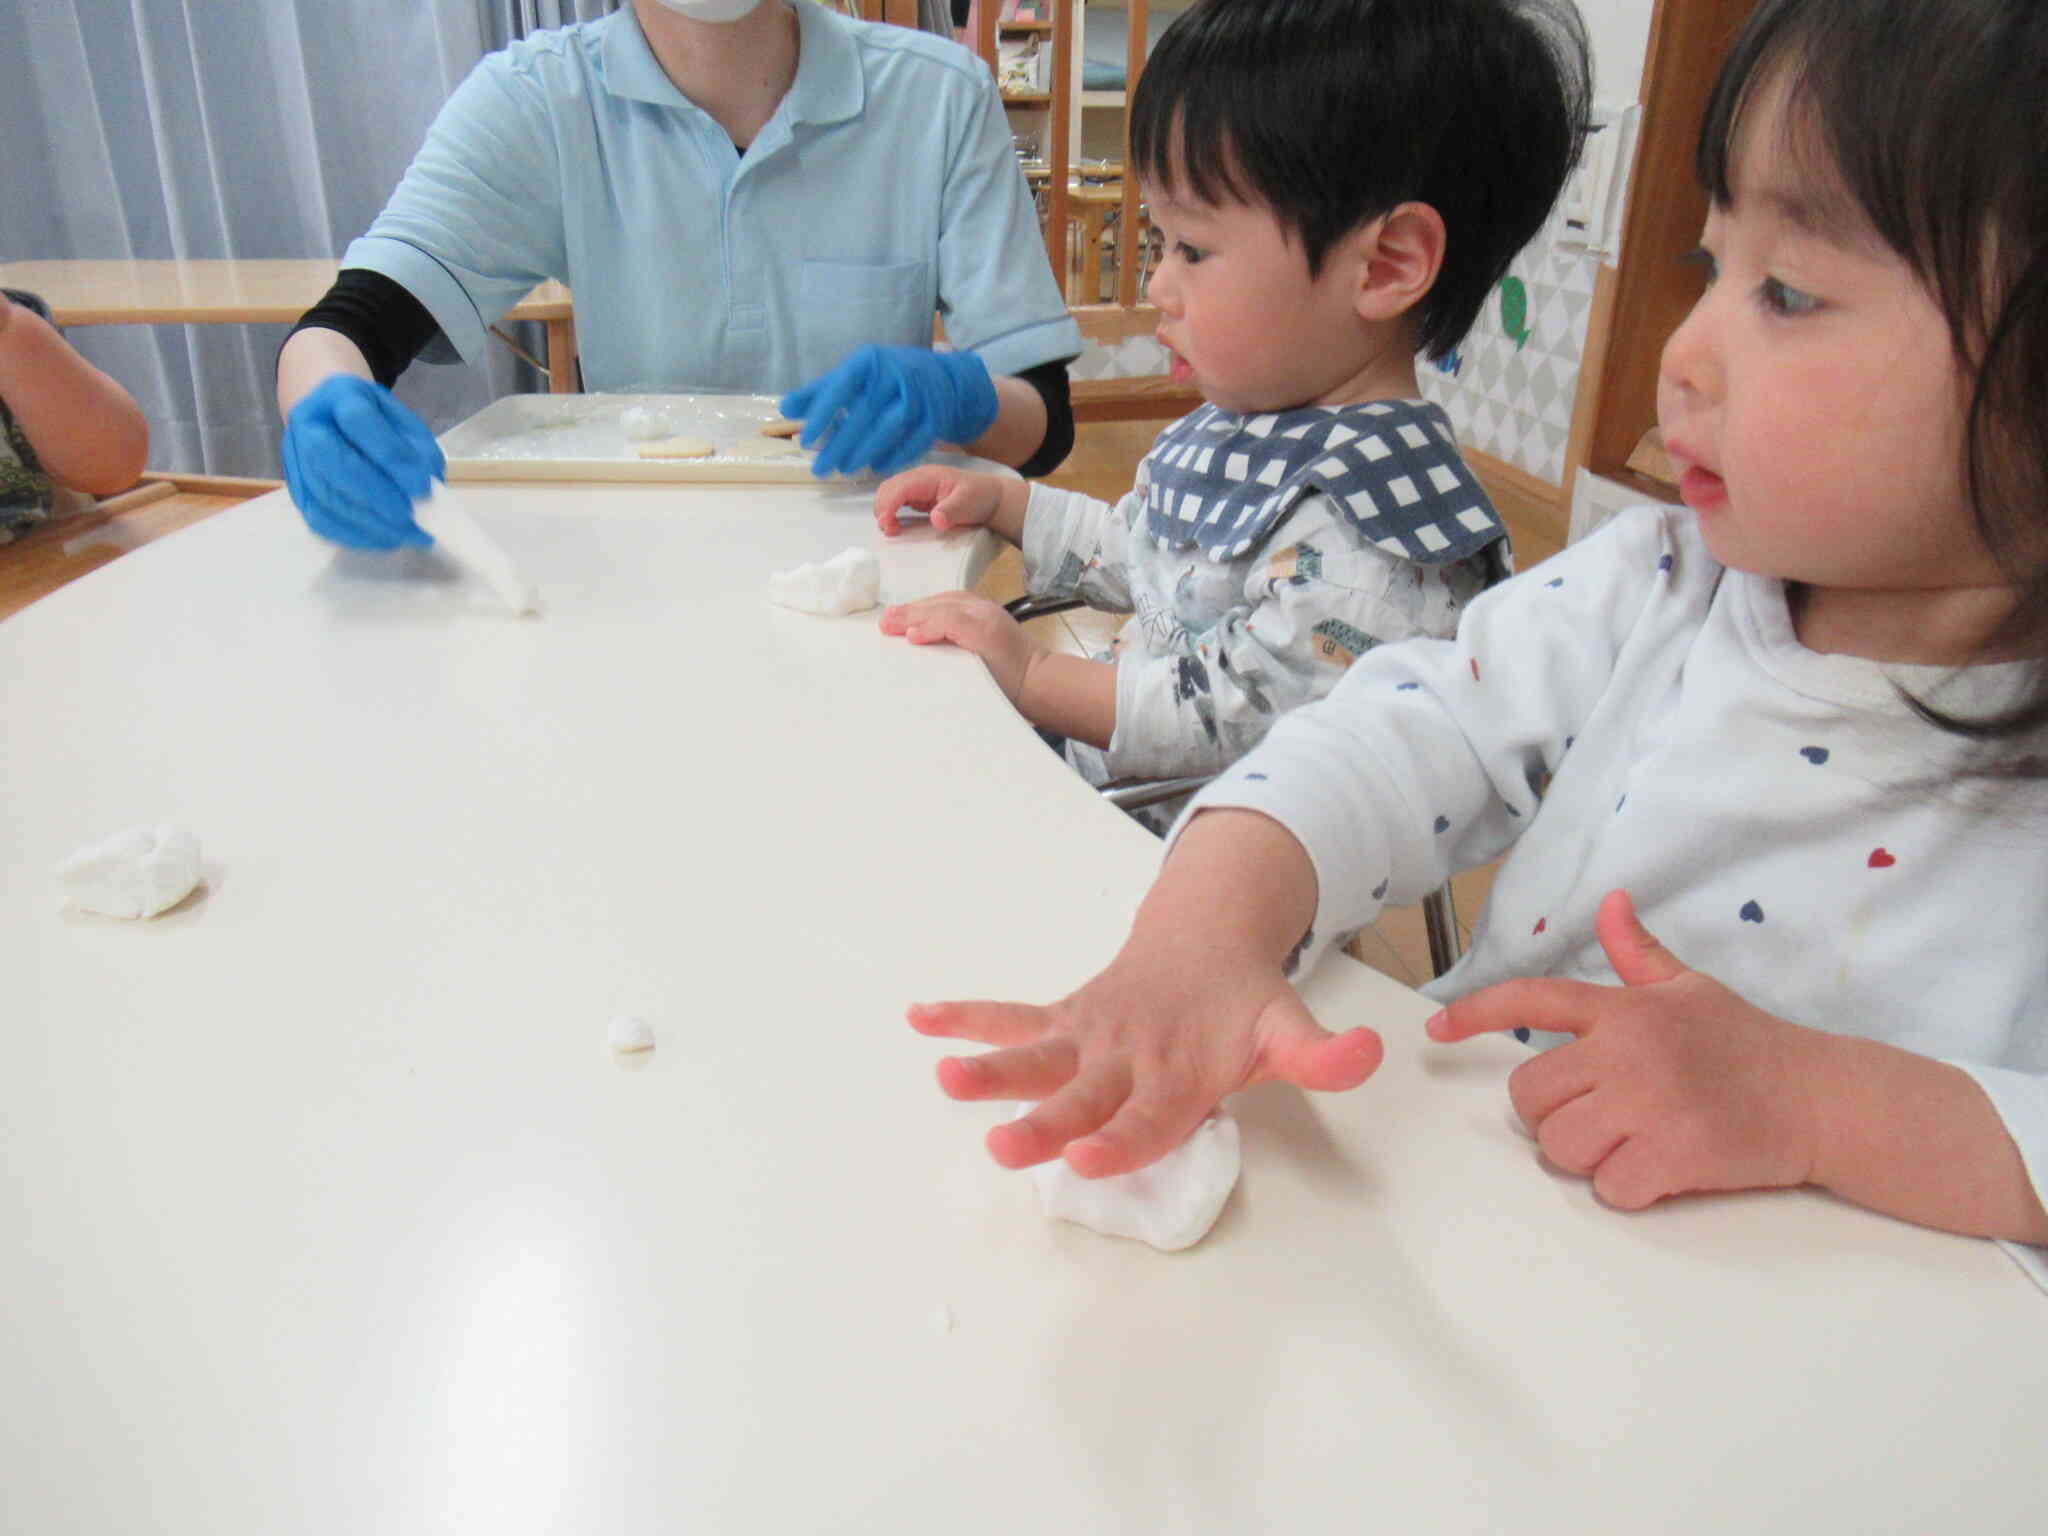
[710, 10]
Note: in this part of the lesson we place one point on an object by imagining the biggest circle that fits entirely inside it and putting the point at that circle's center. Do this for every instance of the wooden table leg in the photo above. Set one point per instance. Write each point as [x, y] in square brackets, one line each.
[562, 374]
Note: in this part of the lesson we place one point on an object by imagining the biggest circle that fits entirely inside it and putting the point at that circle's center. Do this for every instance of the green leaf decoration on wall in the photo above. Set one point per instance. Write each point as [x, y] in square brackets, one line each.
[1514, 311]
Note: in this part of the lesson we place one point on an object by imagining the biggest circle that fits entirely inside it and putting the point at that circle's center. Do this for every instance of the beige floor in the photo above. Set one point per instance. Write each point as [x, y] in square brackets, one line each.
[1103, 463]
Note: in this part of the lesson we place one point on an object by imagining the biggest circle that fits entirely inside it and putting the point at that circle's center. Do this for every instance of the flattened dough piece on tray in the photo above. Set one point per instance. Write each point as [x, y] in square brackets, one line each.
[676, 448]
[765, 447]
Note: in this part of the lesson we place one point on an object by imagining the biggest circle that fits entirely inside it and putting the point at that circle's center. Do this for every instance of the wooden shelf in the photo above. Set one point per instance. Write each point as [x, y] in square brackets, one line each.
[1027, 98]
[1022, 27]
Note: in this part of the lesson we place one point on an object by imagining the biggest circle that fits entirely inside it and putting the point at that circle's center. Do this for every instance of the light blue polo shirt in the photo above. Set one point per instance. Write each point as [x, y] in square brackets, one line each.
[883, 190]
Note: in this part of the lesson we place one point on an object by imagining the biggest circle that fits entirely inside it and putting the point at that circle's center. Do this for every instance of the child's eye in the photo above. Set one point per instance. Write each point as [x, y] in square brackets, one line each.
[1190, 254]
[1700, 256]
[1781, 299]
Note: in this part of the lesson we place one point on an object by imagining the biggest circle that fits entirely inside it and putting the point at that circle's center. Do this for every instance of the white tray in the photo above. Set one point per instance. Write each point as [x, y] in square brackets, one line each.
[580, 437]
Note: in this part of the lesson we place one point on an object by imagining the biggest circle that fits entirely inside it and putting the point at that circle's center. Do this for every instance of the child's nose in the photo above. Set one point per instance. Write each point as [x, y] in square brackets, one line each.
[1162, 288]
[1691, 361]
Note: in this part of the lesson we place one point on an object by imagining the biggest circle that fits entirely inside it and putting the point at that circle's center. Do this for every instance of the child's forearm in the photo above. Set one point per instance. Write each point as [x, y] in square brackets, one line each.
[1013, 500]
[1071, 696]
[1918, 1139]
[87, 432]
[1236, 883]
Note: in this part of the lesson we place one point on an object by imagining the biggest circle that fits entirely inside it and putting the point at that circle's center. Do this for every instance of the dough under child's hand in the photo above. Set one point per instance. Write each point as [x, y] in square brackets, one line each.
[1172, 1204]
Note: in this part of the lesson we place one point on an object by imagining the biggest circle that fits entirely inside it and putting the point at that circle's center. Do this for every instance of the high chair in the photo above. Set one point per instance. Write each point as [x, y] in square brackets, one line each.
[1439, 909]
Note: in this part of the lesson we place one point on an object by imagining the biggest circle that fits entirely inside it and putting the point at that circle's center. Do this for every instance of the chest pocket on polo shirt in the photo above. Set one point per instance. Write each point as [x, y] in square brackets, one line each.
[845, 306]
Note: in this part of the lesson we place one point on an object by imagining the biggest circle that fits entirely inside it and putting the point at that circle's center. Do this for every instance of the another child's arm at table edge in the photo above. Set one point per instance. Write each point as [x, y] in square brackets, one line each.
[86, 430]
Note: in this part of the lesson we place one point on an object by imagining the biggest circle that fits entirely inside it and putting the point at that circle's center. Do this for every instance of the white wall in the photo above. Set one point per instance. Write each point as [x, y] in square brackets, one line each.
[1620, 31]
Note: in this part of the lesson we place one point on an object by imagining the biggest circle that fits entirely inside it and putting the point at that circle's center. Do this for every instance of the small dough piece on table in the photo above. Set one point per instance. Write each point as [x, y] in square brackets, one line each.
[765, 447]
[850, 582]
[1172, 1204]
[677, 448]
[136, 873]
[627, 1033]
[782, 426]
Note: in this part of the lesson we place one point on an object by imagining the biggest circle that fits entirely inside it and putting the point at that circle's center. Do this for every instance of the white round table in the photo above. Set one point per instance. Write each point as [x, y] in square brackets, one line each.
[327, 1209]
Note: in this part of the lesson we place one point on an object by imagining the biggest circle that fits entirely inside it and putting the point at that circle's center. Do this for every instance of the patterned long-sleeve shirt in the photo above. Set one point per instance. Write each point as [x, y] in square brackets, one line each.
[1632, 715]
[1258, 557]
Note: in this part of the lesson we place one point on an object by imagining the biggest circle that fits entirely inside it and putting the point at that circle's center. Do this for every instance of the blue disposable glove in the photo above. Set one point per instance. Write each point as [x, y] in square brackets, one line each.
[356, 460]
[884, 406]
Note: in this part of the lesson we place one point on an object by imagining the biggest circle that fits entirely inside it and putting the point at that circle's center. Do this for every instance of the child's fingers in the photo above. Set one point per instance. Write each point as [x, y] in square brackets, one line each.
[989, 1023]
[1144, 1129]
[1078, 1109]
[1566, 1007]
[952, 618]
[1579, 1135]
[920, 488]
[1633, 1176]
[1544, 1083]
[1021, 1072]
[1634, 952]
[1296, 1049]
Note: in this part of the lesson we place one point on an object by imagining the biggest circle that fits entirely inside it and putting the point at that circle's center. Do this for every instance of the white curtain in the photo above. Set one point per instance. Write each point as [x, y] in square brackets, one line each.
[504, 20]
[231, 128]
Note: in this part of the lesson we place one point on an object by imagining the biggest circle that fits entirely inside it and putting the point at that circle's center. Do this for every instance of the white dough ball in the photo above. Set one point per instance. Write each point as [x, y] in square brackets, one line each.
[136, 873]
[850, 582]
[628, 1033]
[641, 424]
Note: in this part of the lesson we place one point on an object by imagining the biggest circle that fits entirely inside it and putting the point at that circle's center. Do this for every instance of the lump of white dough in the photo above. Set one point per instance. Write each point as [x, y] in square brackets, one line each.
[641, 424]
[136, 873]
[1171, 1205]
[628, 1033]
[850, 582]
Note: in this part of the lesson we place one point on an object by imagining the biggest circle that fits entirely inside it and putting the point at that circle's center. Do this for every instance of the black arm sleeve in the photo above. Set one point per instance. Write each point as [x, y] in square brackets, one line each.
[1050, 380]
[388, 325]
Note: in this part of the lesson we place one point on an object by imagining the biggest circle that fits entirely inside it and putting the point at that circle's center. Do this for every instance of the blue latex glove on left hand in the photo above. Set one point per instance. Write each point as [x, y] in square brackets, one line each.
[884, 406]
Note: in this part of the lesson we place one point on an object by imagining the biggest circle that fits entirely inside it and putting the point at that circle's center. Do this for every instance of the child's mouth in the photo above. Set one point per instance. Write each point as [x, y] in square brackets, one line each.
[1180, 369]
[1701, 488]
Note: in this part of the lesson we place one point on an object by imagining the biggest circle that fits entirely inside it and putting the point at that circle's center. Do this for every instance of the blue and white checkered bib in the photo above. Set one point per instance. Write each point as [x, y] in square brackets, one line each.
[1220, 481]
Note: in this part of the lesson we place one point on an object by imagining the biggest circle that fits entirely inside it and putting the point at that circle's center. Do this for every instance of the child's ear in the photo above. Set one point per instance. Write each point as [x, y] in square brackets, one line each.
[1400, 254]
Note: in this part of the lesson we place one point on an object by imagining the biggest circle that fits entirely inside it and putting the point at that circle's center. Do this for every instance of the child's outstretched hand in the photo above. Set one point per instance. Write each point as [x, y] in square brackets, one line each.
[974, 624]
[953, 498]
[1673, 1084]
[1126, 1067]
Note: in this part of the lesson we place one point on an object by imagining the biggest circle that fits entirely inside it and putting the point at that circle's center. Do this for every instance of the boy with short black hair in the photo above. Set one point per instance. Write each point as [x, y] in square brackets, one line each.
[1340, 184]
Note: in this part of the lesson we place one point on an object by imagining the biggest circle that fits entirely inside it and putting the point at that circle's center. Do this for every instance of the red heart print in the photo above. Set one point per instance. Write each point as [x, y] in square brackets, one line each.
[1879, 859]
[1541, 924]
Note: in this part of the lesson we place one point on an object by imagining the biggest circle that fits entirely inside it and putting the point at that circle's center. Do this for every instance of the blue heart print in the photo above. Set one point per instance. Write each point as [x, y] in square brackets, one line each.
[1814, 755]
[1751, 912]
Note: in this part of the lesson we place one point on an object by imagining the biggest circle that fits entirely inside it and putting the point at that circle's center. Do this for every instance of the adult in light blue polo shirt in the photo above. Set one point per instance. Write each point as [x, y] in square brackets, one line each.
[757, 195]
